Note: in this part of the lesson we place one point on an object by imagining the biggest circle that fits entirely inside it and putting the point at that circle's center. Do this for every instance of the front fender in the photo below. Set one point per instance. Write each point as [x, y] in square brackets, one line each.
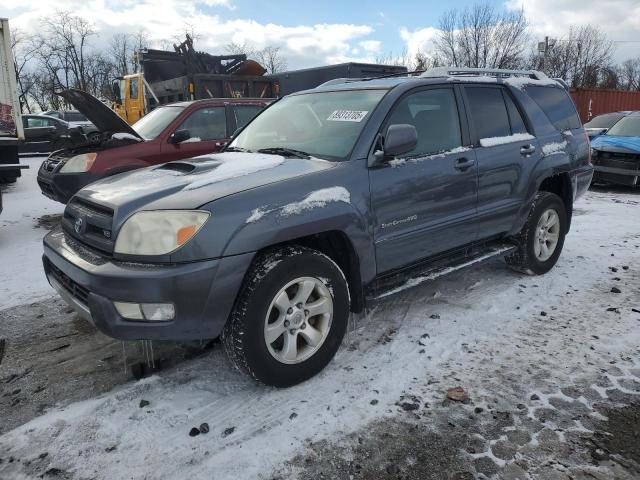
[327, 201]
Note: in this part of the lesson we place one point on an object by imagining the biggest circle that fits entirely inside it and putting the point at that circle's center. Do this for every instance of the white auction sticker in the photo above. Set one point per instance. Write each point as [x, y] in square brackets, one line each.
[348, 115]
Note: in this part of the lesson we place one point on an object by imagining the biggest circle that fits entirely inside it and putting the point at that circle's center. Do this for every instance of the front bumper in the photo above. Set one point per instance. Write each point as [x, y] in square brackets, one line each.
[617, 171]
[60, 187]
[203, 292]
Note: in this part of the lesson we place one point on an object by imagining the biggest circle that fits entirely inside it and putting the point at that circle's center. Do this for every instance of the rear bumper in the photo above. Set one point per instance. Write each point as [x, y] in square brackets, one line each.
[202, 292]
[581, 180]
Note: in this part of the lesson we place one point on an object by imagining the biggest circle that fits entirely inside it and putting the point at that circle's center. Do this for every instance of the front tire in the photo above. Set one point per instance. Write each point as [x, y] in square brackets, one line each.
[290, 316]
[541, 239]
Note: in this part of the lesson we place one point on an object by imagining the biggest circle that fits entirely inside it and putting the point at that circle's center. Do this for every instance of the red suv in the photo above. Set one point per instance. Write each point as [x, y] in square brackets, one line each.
[170, 132]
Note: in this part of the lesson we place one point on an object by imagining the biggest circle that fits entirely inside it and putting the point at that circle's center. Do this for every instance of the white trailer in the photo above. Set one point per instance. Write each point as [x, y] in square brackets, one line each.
[11, 129]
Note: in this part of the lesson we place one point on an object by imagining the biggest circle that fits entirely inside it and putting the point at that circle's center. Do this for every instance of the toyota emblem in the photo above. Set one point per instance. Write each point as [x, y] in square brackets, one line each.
[78, 225]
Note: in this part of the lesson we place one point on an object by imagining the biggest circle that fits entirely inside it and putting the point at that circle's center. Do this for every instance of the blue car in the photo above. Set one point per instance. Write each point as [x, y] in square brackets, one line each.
[616, 154]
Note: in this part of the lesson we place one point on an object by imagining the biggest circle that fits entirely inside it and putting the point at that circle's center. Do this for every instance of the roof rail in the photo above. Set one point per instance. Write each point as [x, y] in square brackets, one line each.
[334, 81]
[494, 72]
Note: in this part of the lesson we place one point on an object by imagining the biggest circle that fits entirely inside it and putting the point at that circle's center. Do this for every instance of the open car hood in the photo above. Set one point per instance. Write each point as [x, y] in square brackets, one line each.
[105, 119]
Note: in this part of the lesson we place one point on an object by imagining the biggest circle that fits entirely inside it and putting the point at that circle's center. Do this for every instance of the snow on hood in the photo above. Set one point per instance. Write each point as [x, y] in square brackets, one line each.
[605, 142]
[194, 182]
[225, 169]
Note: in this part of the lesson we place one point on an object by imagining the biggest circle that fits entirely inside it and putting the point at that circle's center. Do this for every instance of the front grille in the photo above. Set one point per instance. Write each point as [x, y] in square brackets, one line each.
[625, 161]
[89, 223]
[71, 286]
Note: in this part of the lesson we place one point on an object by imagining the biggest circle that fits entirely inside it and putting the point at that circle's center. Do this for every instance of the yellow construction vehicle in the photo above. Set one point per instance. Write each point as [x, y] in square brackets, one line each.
[185, 74]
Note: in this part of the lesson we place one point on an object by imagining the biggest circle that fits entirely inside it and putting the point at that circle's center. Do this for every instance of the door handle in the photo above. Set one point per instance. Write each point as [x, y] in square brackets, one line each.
[527, 149]
[464, 163]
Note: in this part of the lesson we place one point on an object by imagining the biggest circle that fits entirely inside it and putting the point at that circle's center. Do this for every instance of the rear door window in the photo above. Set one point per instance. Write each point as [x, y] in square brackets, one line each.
[557, 106]
[206, 124]
[245, 113]
[488, 112]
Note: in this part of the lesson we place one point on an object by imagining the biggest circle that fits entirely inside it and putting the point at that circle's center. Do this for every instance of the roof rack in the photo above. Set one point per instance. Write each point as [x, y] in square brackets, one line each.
[367, 79]
[494, 72]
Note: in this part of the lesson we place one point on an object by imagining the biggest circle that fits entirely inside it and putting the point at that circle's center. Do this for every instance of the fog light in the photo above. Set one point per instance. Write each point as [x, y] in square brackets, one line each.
[158, 311]
[155, 312]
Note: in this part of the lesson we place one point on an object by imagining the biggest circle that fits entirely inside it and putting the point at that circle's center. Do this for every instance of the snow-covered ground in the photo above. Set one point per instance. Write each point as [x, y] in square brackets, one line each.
[21, 235]
[505, 337]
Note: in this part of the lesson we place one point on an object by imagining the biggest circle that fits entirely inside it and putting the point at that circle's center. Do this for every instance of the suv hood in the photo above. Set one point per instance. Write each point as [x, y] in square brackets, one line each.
[616, 144]
[105, 119]
[195, 182]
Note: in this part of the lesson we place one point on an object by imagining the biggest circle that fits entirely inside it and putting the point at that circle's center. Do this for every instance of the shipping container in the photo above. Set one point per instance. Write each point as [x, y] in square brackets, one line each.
[595, 101]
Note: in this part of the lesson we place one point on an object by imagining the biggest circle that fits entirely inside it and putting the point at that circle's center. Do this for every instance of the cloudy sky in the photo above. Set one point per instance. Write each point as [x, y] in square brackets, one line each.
[321, 32]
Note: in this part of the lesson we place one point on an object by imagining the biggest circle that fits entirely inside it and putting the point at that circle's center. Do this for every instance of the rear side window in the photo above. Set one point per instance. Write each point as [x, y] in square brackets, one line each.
[557, 105]
[489, 112]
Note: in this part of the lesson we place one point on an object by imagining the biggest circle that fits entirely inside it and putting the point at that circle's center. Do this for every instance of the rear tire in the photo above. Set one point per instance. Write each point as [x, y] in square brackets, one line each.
[289, 318]
[541, 239]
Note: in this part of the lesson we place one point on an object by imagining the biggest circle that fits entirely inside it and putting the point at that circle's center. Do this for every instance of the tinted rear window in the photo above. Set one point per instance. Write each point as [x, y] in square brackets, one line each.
[557, 105]
[489, 112]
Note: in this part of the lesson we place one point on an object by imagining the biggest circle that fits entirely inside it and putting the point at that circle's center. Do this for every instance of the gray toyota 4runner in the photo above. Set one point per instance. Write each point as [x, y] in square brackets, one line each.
[329, 199]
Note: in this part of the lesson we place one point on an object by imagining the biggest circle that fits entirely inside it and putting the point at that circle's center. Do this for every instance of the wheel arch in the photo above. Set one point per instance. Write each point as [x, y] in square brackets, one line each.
[338, 247]
[560, 184]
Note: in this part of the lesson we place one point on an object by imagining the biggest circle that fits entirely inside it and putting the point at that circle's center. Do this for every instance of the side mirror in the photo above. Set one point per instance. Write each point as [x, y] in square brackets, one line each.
[179, 136]
[400, 138]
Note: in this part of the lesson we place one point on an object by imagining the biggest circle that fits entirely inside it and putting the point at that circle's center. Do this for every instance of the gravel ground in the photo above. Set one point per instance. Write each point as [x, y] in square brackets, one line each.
[550, 365]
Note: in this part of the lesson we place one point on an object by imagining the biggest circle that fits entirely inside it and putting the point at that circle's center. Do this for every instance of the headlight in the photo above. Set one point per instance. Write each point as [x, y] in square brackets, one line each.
[79, 163]
[158, 232]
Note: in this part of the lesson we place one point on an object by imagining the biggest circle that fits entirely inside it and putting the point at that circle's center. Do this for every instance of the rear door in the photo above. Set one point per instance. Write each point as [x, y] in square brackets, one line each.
[37, 134]
[505, 153]
[207, 127]
[425, 201]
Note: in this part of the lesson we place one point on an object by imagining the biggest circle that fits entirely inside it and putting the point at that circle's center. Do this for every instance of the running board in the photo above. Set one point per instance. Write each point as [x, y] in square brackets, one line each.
[394, 283]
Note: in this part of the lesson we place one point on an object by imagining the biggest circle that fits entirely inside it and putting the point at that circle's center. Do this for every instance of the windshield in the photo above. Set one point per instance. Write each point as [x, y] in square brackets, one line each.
[154, 122]
[322, 124]
[627, 127]
[604, 121]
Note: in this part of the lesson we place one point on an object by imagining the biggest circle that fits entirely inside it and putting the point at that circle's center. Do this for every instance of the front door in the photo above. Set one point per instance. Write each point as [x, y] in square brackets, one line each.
[38, 132]
[207, 128]
[425, 202]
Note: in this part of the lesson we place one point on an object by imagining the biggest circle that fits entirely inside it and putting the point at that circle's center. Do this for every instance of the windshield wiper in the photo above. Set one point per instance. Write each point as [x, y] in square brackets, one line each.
[287, 152]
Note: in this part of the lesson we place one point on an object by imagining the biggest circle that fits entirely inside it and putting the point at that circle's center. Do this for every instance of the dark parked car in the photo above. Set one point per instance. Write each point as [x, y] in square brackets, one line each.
[170, 132]
[601, 123]
[43, 134]
[329, 199]
[77, 119]
[616, 154]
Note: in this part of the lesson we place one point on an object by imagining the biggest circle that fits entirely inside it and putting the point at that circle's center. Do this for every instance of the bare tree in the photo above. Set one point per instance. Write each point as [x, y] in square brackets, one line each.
[581, 57]
[24, 48]
[629, 74]
[244, 48]
[271, 59]
[481, 36]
